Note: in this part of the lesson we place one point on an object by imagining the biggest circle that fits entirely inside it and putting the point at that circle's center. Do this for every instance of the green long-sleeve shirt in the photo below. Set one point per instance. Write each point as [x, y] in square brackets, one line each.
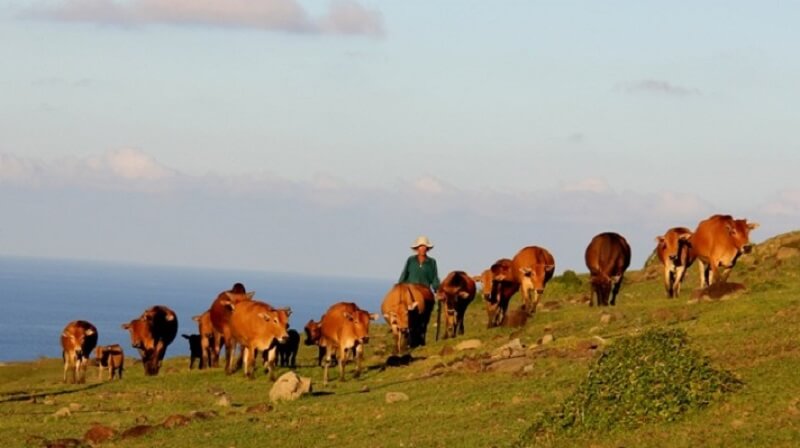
[423, 274]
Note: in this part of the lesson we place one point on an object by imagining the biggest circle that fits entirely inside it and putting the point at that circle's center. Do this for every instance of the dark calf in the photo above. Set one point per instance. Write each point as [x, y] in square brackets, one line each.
[287, 352]
[196, 349]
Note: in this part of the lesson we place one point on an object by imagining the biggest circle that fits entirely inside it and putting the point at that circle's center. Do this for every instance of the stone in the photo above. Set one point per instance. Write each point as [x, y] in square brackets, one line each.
[509, 350]
[98, 434]
[223, 400]
[75, 407]
[136, 431]
[469, 344]
[203, 415]
[510, 365]
[528, 369]
[289, 387]
[62, 413]
[547, 339]
[174, 421]
[607, 318]
[261, 408]
[395, 397]
[718, 291]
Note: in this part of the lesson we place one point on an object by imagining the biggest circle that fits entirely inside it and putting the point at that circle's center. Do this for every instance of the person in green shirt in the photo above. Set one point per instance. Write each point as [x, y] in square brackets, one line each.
[421, 269]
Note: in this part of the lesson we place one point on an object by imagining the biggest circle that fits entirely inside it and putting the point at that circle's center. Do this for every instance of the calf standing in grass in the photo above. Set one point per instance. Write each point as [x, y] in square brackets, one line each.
[77, 342]
[195, 350]
[111, 358]
[607, 257]
[287, 351]
[455, 293]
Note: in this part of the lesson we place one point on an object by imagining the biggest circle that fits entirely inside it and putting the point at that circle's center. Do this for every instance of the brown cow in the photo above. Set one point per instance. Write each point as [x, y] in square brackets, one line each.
[717, 243]
[258, 326]
[151, 333]
[220, 315]
[343, 330]
[77, 342]
[533, 267]
[607, 257]
[403, 308]
[111, 358]
[499, 285]
[456, 292]
[210, 340]
[675, 253]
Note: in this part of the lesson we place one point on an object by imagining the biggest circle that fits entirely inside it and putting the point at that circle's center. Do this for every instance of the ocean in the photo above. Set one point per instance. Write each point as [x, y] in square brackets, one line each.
[40, 296]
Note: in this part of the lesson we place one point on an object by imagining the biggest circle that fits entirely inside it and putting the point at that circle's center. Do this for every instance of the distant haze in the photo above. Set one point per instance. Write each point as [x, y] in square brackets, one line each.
[323, 137]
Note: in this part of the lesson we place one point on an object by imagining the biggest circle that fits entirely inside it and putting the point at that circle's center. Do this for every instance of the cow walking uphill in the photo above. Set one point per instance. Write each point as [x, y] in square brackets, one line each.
[455, 293]
[258, 326]
[675, 253]
[78, 339]
[404, 308]
[220, 315]
[533, 267]
[717, 243]
[343, 331]
[499, 285]
[607, 257]
[151, 333]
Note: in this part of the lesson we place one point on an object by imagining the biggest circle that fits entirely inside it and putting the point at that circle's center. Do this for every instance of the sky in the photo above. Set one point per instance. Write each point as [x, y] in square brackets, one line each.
[323, 137]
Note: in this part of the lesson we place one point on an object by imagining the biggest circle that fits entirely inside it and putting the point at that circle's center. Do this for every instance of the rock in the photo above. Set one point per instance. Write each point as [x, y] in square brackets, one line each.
[469, 344]
[516, 318]
[511, 365]
[607, 318]
[261, 408]
[785, 253]
[204, 415]
[396, 361]
[174, 421]
[364, 389]
[446, 350]
[289, 386]
[75, 407]
[547, 339]
[551, 305]
[98, 434]
[62, 413]
[223, 400]
[394, 397]
[136, 431]
[142, 419]
[511, 349]
[528, 369]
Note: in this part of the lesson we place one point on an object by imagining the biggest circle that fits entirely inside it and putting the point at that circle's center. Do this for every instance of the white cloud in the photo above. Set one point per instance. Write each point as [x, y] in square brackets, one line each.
[343, 16]
[591, 184]
[429, 185]
[787, 203]
[659, 87]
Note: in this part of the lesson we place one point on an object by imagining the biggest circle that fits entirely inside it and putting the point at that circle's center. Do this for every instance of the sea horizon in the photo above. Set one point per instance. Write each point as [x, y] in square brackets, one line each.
[41, 295]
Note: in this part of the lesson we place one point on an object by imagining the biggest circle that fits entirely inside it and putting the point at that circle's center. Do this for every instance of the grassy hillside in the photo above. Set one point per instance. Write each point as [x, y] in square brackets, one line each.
[460, 398]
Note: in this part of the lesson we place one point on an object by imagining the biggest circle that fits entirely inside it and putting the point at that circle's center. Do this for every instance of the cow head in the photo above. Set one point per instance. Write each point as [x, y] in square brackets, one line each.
[142, 339]
[533, 278]
[277, 321]
[313, 332]
[359, 322]
[739, 230]
[674, 246]
[80, 339]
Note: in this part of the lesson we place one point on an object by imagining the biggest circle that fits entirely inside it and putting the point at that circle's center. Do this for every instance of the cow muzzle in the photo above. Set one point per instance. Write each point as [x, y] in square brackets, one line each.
[747, 248]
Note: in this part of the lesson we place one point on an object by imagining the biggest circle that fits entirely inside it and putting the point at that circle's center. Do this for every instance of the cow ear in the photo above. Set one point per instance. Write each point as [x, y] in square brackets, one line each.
[251, 294]
[89, 332]
[347, 315]
[413, 305]
[373, 316]
[170, 317]
[229, 295]
[685, 236]
[288, 311]
[659, 239]
[477, 278]
[197, 318]
[730, 229]
[65, 334]
[126, 326]
[753, 225]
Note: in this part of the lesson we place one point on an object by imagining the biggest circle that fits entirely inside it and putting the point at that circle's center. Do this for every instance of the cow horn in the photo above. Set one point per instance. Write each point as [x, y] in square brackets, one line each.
[251, 294]
[89, 332]
[170, 317]
[288, 311]
[753, 225]
[197, 318]
[65, 334]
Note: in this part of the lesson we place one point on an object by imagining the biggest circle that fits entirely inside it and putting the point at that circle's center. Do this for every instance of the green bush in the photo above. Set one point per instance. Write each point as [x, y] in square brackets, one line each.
[651, 377]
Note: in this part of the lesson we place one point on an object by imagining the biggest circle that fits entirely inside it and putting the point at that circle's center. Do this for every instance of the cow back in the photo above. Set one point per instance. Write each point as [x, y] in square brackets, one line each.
[608, 255]
[257, 324]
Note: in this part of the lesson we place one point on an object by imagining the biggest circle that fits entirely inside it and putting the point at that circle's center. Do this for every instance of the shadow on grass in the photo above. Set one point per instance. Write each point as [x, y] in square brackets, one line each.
[23, 396]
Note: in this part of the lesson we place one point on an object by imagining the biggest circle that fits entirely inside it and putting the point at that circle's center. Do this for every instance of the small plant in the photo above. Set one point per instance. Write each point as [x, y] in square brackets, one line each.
[651, 377]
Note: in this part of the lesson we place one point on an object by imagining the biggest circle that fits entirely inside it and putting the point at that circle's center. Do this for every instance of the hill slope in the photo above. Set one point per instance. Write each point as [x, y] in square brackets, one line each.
[461, 398]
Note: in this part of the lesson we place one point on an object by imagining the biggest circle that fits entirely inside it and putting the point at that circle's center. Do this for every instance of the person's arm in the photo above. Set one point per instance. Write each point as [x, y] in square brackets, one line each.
[435, 280]
[404, 274]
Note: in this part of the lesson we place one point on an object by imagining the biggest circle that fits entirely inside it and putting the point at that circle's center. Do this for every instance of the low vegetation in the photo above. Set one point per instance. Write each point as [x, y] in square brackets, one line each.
[739, 357]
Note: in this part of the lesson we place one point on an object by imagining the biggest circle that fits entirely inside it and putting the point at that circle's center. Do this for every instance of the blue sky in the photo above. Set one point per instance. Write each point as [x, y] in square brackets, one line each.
[324, 136]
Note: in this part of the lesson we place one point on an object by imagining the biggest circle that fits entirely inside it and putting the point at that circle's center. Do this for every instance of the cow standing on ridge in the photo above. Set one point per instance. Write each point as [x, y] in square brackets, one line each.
[607, 257]
[717, 243]
[499, 285]
[455, 293]
[533, 267]
[675, 253]
[151, 333]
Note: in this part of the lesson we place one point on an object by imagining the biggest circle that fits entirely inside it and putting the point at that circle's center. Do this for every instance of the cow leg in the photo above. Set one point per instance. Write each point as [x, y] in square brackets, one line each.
[359, 349]
[246, 355]
[704, 273]
[99, 371]
[325, 366]
[680, 272]
[668, 281]
[272, 354]
[615, 290]
[342, 361]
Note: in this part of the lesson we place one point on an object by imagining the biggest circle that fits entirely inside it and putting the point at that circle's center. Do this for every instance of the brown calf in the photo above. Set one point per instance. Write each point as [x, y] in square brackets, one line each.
[78, 339]
[151, 333]
[456, 292]
[111, 358]
[675, 253]
[718, 242]
[258, 326]
[533, 267]
[607, 257]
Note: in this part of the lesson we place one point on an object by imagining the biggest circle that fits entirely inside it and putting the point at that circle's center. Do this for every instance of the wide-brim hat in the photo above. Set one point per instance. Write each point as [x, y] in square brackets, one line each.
[422, 241]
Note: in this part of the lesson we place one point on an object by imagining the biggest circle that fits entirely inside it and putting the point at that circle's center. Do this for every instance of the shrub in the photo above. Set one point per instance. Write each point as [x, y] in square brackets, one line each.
[647, 378]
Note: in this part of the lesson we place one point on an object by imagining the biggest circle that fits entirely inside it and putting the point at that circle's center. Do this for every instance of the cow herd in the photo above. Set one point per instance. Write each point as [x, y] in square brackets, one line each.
[236, 319]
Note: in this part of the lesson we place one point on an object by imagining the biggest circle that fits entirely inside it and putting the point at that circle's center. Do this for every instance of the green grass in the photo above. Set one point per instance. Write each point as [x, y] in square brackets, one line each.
[755, 335]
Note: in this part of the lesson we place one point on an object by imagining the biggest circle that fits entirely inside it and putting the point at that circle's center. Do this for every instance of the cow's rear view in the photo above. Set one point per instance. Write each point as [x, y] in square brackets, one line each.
[607, 257]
